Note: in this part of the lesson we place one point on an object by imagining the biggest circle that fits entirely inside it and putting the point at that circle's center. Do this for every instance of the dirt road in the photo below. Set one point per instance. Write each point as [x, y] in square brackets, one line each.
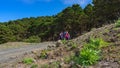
[10, 53]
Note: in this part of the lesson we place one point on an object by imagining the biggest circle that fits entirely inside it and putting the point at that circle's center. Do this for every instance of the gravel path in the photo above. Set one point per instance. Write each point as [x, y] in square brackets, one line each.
[10, 53]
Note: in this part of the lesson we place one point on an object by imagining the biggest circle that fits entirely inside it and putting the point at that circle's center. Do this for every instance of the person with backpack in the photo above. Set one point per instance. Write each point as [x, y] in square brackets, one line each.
[67, 35]
[61, 36]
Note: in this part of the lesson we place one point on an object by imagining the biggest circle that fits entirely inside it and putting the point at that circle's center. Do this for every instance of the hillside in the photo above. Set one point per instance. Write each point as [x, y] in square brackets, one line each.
[94, 31]
[59, 56]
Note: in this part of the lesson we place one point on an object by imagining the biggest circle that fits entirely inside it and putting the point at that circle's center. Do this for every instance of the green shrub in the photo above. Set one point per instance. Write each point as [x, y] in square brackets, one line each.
[96, 43]
[28, 60]
[33, 39]
[117, 24]
[64, 41]
[43, 54]
[74, 46]
[90, 53]
[87, 57]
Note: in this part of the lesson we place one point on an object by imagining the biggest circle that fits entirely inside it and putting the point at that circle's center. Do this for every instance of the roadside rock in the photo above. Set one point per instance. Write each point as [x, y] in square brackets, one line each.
[59, 43]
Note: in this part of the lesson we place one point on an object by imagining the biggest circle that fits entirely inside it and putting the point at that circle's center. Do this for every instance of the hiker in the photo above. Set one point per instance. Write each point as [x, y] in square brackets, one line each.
[64, 33]
[61, 36]
[67, 35]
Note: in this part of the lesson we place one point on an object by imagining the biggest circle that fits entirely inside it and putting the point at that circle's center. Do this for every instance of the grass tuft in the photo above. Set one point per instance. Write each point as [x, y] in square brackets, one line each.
[28, 60]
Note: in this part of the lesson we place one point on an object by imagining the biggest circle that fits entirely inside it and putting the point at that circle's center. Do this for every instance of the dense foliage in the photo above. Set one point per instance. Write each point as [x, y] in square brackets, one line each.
[106, 11]
[90, 53]
[73, 19]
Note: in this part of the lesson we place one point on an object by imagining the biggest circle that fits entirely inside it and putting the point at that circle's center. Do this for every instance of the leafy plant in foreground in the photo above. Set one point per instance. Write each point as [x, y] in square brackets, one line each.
[28, 60]
[96, 43]
[87, 57]
[90, 53]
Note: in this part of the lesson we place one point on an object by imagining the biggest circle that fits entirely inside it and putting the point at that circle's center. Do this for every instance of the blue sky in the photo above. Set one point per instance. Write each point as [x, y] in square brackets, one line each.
[17, 9]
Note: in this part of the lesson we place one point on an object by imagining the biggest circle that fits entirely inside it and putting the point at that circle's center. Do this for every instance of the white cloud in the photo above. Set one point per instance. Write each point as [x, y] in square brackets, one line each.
[68, 2]
[81, 2]
[34, 1]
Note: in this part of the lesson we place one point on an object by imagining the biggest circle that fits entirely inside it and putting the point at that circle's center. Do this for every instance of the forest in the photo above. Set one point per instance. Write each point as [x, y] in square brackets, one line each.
[74, 19]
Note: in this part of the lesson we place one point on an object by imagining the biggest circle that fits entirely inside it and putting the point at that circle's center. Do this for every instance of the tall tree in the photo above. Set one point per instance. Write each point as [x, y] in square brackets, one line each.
[106, 10]
[89, 12]
[5, 34]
